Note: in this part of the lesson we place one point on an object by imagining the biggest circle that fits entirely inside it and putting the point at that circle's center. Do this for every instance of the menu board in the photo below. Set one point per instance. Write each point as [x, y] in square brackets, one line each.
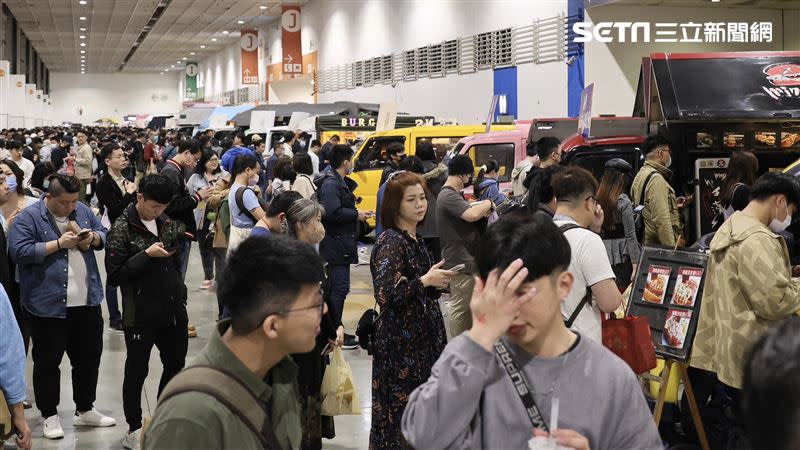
[710, 174]
[667, 290]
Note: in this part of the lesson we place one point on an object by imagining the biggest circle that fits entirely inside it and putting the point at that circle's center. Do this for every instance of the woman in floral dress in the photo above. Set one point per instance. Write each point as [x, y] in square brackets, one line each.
[409, 334]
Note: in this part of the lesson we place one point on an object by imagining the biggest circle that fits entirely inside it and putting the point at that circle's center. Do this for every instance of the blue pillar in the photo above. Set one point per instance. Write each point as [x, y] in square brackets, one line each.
[575, 72]
[505, 83]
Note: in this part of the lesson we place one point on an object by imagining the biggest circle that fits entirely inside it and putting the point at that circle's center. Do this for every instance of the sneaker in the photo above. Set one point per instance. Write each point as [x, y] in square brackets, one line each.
[350, 343]
[93, 419]
[132, 440]
[52, 428]
[207, 284]
[116, 328]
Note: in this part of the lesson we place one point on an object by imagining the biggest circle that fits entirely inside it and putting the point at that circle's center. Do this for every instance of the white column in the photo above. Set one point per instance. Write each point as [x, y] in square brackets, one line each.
[5, 75]
[30, 105]
[16, 101]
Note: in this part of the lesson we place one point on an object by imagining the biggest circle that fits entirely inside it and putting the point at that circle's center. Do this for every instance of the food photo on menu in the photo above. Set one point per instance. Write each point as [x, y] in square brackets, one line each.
[686, 286]
[704, 140]
[656, 286]
[790, 140]
[676, 328]
[732, 139]
[766, 138]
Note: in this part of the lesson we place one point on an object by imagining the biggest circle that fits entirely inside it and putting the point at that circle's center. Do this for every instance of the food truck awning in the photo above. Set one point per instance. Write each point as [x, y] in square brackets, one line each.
[720, 86]
[314, 109]
[222, 114]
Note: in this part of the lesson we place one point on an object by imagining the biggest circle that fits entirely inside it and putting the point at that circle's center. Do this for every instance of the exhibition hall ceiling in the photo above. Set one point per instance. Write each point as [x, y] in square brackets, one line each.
[98, 36]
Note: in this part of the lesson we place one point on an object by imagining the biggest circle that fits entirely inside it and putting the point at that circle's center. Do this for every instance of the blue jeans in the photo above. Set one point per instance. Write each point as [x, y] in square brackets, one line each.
[112, 301]
[340, 287]
[184, 247]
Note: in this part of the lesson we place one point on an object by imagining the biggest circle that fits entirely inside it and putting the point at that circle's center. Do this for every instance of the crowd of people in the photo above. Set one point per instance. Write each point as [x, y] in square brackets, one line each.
[529, 276]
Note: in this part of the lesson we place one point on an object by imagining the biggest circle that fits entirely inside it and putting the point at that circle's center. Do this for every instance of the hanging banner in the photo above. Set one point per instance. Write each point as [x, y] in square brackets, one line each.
[585, 116]
[249, 56]
[190, 91]
[292, 62]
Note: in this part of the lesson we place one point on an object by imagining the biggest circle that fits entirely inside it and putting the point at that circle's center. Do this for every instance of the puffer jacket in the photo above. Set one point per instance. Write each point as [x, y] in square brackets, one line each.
[662, 222]
[335, 194]
[153, 292]
[748, 289]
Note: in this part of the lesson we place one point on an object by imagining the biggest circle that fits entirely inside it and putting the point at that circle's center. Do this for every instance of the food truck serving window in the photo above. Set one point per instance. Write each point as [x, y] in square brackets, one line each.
[441, 145]
[594, 159]
[502, 153]
[374, 154]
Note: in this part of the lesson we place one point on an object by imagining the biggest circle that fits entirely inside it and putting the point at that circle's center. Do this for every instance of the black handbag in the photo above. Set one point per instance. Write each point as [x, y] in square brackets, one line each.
[366, 329]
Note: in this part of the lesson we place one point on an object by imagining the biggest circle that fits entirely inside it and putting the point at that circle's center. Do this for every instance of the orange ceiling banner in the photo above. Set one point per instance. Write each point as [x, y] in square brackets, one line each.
[292, 62]
[249, 56]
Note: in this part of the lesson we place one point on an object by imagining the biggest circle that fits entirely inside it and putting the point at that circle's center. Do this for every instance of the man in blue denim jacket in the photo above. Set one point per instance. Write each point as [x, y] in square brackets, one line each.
[53, 243]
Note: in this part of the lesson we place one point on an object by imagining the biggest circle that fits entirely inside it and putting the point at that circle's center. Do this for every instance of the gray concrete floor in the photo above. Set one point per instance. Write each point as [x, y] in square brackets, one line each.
[352, 432]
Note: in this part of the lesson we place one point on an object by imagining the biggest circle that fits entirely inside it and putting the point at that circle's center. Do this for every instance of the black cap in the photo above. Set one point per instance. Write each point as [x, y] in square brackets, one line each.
[620, 165]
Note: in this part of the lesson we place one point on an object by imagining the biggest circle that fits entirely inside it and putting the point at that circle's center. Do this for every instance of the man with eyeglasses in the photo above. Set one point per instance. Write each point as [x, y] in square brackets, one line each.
[580, 218]
[182, 206]
[662, 221]
[274, 313]
[141, 260]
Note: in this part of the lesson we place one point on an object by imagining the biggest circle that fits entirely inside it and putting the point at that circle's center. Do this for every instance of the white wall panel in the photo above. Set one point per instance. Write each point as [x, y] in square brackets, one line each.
[111, 95]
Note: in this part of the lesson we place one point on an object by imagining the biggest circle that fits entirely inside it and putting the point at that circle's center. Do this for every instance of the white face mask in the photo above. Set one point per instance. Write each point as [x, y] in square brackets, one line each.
[669, 161]
[777, 226]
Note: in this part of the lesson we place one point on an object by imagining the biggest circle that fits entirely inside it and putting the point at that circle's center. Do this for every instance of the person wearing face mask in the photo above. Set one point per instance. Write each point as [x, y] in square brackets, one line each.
[243, 202]
[339, 247]
[651, 188]
[459, 234]
[736, 310]
[580, 217]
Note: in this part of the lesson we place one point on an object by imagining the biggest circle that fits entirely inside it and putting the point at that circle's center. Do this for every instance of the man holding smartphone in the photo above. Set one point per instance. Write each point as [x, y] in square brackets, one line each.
[141, 258]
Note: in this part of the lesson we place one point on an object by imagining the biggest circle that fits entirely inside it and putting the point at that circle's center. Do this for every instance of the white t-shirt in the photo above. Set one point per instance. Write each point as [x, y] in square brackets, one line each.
[77, 285]
[26, 166]
[589, 265]
[151, 226]
[314, 161]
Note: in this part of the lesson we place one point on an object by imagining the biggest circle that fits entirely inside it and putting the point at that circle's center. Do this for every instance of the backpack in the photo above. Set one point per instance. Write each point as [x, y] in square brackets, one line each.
[222, 227]
[240, 203]
[229, 392]
[587, 299]
[638, 217]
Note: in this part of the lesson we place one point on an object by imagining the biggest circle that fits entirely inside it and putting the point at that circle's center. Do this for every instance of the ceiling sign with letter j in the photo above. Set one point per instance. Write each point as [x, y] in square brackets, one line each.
[249, 56]
[292, 62]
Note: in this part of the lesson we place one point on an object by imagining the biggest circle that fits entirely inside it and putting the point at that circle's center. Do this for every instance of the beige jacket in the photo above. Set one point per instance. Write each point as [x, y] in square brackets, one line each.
[748, 288]
[83, 162]
[662, 222]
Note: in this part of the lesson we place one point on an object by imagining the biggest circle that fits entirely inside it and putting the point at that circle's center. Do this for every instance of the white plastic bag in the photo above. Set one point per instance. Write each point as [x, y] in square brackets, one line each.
[338, 390]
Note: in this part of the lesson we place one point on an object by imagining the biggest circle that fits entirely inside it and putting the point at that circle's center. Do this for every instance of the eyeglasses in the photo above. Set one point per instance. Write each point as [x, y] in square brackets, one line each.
[320, 307]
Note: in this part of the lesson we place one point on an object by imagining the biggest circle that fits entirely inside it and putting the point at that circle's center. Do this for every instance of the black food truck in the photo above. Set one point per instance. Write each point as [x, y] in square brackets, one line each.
[709, 105]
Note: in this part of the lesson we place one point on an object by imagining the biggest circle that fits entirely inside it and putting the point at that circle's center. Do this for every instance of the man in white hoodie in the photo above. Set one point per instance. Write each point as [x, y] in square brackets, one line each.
[521, 170]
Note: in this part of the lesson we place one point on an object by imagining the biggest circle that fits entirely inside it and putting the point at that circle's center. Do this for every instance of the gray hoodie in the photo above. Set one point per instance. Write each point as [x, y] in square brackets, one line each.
[518, 175]
[469, 401]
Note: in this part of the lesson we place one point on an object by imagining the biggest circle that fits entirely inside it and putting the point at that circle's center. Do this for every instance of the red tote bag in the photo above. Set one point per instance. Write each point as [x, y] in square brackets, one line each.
[630, 339]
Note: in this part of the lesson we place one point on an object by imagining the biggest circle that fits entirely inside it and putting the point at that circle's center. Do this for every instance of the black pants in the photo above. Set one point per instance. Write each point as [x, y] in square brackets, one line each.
[172, 343]
[80, 335]
[209, 255]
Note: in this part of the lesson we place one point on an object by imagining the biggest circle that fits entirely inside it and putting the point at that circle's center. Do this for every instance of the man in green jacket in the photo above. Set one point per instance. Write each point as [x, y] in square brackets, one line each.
[662, 222]
[274, 313]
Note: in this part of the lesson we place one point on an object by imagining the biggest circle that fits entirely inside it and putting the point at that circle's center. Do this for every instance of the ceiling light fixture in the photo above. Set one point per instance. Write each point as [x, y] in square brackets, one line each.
[83, 37]
[225, 32]
[240, 22]
[83, 51]
[213, 39]
[162, 73]
[83, 44]
[83, 29]
[82, 2]
[191, 53]
[263, 7]
[184, 58]
[172, 65]
[202, 46]
[82, 17]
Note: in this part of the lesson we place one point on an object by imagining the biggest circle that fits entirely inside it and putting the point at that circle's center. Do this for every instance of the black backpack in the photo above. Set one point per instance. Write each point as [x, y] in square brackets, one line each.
[638, 217]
